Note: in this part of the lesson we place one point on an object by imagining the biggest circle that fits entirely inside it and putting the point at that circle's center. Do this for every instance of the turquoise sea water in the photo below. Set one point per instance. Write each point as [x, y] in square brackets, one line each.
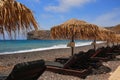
[19, 46]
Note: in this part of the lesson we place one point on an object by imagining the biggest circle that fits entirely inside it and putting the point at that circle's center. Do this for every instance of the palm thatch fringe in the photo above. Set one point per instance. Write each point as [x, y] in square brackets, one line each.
[15, 17]
[78, 29]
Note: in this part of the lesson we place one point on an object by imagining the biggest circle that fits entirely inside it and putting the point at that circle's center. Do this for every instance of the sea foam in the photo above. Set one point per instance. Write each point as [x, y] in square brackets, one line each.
[59, 46]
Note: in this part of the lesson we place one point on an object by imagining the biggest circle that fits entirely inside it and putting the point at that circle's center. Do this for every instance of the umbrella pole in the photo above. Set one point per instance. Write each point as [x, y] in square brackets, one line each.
[107, 43]
[94, 44]
[72, 48]
[113, 44]
[117, 44]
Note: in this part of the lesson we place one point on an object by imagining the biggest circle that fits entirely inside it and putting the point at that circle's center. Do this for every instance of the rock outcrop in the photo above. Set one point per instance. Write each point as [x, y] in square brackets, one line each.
[40, 35]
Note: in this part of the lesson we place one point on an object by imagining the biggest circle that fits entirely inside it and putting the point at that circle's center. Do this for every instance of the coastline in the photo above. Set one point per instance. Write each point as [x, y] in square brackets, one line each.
[20, 46]
[35, 55]
[9, 60]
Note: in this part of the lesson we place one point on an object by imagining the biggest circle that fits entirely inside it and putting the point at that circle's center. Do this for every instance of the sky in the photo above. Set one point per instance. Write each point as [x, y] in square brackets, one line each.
[49, 13]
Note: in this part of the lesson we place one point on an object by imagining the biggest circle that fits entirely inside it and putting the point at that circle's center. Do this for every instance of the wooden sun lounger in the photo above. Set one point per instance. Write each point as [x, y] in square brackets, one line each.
[27, 70]
[82, 73]
[68, 69]
[110, 52]
[66, 65]
[99, 59]
[82, 58]
[96, 53]
[105, 54]
[64, 60]
[115, 50]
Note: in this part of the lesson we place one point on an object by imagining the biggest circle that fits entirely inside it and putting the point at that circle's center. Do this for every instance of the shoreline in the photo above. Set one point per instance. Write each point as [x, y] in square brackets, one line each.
[42, 49]
[7, 61]
[64, 46]
[36, 55]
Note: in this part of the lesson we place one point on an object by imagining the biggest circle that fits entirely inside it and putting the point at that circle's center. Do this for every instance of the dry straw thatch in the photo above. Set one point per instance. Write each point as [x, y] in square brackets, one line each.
[15, 17]
[115, 28]
[78, 29]
[117, 38]
[107, 34]
[110, 36]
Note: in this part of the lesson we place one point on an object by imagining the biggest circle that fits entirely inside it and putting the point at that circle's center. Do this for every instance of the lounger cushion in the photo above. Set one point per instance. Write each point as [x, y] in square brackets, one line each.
[54, 64]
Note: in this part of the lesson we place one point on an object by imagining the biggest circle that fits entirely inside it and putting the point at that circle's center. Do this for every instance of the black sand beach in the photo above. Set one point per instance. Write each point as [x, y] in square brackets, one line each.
[8, 61]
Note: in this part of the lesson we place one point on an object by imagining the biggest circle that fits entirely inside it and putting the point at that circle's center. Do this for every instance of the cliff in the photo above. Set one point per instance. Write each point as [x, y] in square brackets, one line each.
[40, 35]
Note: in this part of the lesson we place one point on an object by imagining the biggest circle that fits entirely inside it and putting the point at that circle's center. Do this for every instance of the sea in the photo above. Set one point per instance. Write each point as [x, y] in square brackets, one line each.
[21, 46]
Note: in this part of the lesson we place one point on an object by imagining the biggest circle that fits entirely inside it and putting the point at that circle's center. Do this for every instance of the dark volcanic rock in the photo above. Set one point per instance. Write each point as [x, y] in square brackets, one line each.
[41, 35]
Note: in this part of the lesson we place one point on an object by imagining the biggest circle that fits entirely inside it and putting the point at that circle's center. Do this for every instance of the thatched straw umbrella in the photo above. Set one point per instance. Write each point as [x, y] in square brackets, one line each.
[116, 39]
[75, 29]
[15, 17]
[109, 36]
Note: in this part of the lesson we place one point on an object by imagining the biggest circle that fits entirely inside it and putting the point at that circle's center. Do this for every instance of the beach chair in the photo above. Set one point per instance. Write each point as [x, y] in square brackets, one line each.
[79, 65]
[103, 54]
[116, 50]
[106, 52]
[27, 70]
[97, 52]
[64, 60]
[82, 58]
[69, 68]
[92, 55]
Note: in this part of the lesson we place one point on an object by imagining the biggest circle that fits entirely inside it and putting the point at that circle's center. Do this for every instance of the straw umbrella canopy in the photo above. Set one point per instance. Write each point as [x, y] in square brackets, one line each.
[116, 39]
[76, 29]
[109, 36]
[15, 17]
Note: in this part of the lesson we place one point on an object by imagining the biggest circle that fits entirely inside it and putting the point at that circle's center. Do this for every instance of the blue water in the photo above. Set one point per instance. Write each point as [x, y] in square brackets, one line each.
[18, 46]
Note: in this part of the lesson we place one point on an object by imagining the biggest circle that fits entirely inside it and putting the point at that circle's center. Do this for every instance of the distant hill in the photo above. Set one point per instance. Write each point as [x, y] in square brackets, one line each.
[40, 35]
[45, 34]
[114, 28]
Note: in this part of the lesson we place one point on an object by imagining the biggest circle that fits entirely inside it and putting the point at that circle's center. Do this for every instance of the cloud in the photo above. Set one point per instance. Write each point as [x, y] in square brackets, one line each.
[66, 5]
[108, 19]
